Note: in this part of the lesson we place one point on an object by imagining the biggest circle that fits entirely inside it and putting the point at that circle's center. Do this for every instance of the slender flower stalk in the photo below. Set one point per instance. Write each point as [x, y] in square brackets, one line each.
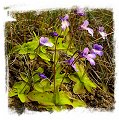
[54, 69]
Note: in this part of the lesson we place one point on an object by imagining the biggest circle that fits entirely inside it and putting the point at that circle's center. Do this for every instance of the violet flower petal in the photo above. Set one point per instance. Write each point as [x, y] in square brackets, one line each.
[85, 24]
[85, 27]
[90, 31]
[102, 33]
[92, 62]
[66, 17]
[65, 24]
[80, 11]
[97, 47]
[49, 44]
[44, 41]
[85, 51]
[74, 66]
[101, 29]
[42, 75]
[91, 55]
[53, 34]
[97, 52]
[70, 61]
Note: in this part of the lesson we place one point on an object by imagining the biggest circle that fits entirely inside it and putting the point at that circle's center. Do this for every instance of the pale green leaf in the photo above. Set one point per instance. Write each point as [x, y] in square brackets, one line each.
[43, 49]
[66, 80]
[42, 86]
[15, 49]
[12, 92]
[36, 38]
[78, 103]
[28, 47]
[69, 53]
[88, 82]
[40, 70]
[63, 98]
[31, 56]
[84, 78]
[44, 56]
[45, 98]
[59, 76]
[74, 78]
[89, 89]
[23, 51]
[24, 76]
[81, 69]
[36, 78]
[32, 45]
[58, 68]
[22, 87]
[78, 88]
[22, 97]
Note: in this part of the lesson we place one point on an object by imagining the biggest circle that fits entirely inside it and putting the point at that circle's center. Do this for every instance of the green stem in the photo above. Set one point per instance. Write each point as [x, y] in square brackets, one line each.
[55, 73]
[55, 70]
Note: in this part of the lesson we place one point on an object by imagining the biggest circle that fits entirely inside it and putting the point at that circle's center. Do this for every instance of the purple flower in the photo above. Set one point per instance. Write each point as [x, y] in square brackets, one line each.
[89, 57]
[44, 41]
[102, 33]
[97, 49]
[84, 26]
[42, 75]
[71, 62]
[53, 34]
[80, 11]
[64, 18]
[65, 23]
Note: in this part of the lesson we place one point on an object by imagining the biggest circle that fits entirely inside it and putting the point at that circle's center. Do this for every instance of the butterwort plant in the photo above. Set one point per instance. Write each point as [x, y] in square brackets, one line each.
[54, 55]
